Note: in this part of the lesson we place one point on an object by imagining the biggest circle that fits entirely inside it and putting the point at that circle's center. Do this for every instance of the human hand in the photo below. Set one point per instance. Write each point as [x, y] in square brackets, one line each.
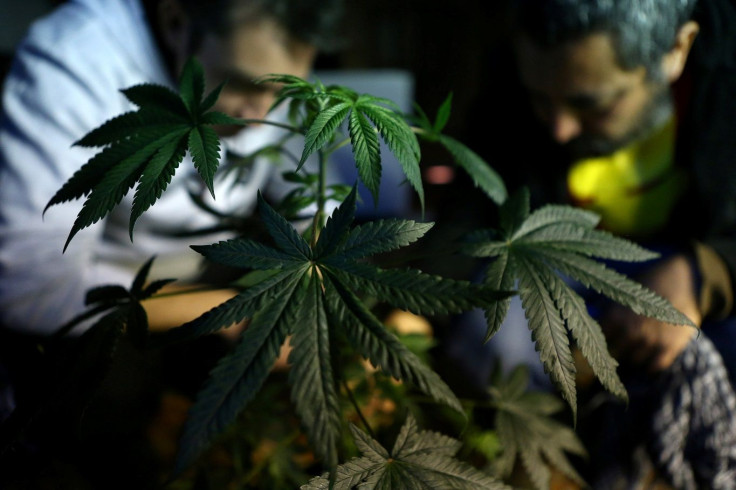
[644, 342]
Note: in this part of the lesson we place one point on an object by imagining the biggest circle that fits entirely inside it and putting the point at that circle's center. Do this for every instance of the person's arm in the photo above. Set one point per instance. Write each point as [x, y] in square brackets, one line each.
[642, 341]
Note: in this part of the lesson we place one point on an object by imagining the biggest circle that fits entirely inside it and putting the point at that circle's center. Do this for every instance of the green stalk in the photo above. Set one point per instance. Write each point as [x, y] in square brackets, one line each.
[320, 216]
[287, 127]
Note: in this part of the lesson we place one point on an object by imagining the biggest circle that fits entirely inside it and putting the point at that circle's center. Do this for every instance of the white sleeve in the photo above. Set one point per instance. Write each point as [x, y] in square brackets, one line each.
[47, 106]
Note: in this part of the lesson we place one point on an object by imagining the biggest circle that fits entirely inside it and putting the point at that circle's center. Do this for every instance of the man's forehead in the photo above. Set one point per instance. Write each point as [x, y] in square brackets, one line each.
[583, 69]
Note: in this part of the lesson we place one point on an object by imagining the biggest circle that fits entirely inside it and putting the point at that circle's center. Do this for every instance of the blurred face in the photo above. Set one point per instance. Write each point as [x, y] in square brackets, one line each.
[251, 51]
[589, 103]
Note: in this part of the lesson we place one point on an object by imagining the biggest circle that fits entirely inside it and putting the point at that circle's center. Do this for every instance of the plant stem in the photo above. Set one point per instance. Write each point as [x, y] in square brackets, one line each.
[319, 216]
[338, 145]
[354, 402]
[287, 127]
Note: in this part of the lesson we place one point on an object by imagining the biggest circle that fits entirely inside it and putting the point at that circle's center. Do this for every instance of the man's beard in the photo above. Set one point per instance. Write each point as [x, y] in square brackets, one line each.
[655, 114]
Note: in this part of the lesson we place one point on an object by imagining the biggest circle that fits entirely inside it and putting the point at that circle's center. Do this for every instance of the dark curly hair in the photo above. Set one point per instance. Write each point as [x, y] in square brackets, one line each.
[643, 31]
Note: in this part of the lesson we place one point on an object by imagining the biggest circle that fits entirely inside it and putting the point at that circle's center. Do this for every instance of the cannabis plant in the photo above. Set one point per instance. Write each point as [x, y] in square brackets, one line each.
[310, 287]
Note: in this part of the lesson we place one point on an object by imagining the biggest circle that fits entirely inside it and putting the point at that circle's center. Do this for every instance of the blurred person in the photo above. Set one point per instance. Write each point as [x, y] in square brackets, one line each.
[65, 80]
[626, 108]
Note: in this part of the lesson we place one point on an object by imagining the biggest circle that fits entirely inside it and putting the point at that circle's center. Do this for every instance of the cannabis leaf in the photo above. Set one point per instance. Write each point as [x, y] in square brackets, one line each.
[478, 169]
[419, 459]
[123, 306]
[527, 430]
[367, 116]
[534, 249]
[310, 293]
[146, 147]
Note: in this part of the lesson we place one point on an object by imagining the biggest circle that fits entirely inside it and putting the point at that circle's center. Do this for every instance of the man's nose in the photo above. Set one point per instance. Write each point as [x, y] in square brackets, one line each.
[255, 106]
[564, 125]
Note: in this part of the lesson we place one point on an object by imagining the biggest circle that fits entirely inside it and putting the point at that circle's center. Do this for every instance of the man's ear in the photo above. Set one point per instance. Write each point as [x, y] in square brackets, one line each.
[174, 26]
[674, 61]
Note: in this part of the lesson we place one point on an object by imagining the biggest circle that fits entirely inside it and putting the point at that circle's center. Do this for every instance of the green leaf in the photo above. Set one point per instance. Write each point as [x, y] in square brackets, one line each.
[209, 102]
[285, 236]
[526, 428]
[153, 288]
[89, 176]
[541, 246]
[553, 214]
[156, 177]
[157, 99]
[146, 146]
[482, 174]
[109, 294]
[370, 449]
[378, 237]
[413, 290]
[140, 278]
[337, 226]
[311, 378]
[500, 276]
[400, 140]
[574, 238]
[205, 148]
[419, 460]
[323, 129]
[191, 85]
[588, 336]
[616, 286]
[244, 253]
[115, 184]
[422, 120]
[234, 310]
[112, 130]
[514, 212]
[215, 118]
[383, 349]
[547, 326]
[238, 376]
[443, 114]
[366, 151]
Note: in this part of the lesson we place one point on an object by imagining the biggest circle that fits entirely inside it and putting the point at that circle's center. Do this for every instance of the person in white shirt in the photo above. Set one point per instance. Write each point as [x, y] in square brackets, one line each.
[65, 81]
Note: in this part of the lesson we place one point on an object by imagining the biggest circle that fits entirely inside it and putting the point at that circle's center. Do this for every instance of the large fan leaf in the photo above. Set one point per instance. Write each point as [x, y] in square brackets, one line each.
[244, 253]
[234, 310]
[558, 240]
[238, 376]
[381, 347]
[616, 286]
[380, 236]
[145, 145]
[527, 430]
[115, 183]
[420, 460]
[593, 243]
[414, 290]
[311, 377]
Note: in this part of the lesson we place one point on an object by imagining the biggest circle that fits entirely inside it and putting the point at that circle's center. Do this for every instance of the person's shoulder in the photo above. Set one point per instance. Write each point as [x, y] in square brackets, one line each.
[87, 38]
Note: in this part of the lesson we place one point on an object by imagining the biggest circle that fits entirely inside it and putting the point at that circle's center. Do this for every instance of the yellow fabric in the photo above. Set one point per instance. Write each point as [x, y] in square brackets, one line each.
[635, 188]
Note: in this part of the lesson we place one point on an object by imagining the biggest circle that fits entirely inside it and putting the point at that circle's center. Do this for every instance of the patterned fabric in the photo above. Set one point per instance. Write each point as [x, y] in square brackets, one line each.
[679, 429]
[694, 440]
